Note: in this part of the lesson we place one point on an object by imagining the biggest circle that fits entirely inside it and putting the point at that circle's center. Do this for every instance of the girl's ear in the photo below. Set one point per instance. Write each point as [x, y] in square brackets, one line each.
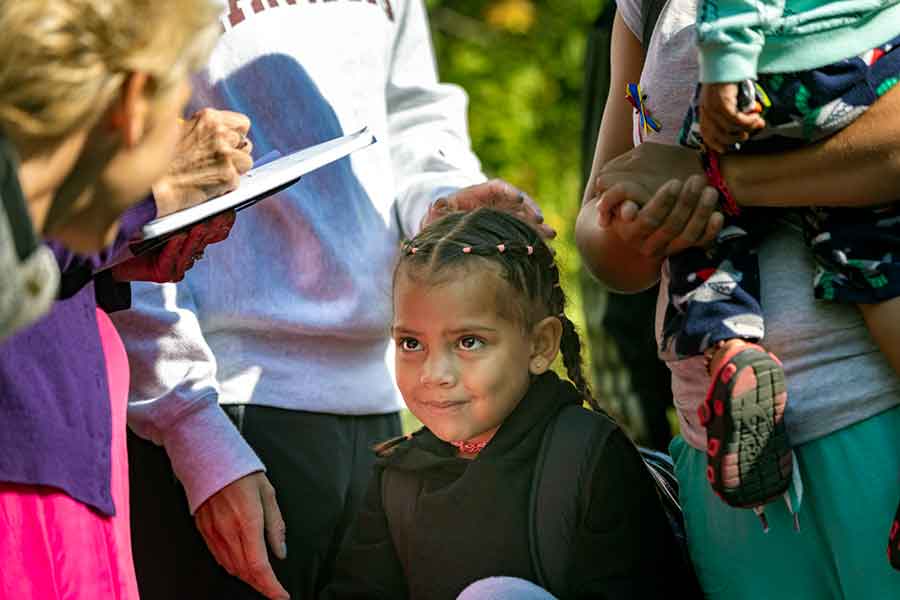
[545, 339]
[129, 112]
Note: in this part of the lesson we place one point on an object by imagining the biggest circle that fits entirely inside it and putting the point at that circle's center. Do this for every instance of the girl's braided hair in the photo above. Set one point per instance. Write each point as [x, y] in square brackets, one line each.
[486, 235]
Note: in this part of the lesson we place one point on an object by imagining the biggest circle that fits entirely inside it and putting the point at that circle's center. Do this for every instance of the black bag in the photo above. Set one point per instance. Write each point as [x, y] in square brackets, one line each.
[563, 465]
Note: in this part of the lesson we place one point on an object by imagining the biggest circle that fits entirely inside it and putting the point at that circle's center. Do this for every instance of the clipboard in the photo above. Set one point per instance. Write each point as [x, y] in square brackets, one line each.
[255, 185]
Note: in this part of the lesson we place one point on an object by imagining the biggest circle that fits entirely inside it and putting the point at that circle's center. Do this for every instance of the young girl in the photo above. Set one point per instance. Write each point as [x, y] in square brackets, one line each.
[479, 317]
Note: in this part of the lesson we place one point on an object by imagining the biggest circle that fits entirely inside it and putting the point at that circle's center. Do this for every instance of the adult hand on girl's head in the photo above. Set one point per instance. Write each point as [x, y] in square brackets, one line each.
[497, 194]
[678, 216]
[177, 255]
[213, 153]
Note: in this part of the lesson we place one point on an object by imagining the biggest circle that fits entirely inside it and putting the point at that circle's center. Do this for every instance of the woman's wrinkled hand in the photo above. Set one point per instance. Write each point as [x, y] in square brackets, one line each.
[213, 153]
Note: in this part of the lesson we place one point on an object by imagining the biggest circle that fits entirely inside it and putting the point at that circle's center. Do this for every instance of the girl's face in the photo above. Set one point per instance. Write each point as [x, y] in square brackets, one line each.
[462, 366]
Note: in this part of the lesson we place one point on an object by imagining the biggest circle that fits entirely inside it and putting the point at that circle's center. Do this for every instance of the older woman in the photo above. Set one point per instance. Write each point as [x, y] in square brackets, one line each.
[90, 95]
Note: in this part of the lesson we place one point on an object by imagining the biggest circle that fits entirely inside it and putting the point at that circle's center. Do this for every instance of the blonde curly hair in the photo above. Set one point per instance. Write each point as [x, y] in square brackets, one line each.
[64, 61]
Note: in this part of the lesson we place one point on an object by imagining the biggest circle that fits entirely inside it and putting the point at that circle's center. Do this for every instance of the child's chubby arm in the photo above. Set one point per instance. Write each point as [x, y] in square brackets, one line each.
[722, 123]
[643, 228]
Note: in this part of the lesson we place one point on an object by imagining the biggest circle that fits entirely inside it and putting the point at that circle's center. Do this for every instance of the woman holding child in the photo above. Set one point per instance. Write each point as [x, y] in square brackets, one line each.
[827, 539]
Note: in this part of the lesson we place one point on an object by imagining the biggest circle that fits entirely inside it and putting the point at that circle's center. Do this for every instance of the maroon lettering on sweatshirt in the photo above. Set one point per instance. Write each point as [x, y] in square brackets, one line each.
[237, 14]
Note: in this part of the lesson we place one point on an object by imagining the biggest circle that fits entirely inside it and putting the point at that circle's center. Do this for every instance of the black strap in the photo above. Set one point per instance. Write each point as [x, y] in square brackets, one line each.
[14, 203]
[399, 493]
[650, 10]
[662, 469]
[563, 465]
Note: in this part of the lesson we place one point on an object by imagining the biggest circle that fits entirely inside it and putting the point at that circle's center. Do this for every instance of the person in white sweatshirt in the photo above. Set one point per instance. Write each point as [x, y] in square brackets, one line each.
[264, 375]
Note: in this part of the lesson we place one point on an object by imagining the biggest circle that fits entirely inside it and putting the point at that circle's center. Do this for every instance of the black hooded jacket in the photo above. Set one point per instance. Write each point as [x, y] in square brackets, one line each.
[471, 516]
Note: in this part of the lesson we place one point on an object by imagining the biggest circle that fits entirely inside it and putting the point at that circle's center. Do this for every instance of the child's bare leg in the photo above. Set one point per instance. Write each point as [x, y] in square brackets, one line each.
[883, 321]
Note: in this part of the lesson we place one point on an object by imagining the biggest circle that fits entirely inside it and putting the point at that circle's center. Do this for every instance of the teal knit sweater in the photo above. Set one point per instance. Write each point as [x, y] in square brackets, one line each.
[740, 38]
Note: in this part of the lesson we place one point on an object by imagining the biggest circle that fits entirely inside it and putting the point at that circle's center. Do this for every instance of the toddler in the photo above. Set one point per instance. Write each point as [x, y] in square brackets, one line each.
[775, 75]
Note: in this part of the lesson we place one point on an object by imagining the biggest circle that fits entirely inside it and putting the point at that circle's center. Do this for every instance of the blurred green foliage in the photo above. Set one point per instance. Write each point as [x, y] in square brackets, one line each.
[522, 64]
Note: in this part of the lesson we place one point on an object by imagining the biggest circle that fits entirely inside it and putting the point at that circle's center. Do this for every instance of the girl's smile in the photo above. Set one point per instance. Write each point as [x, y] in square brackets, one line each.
[443, 404]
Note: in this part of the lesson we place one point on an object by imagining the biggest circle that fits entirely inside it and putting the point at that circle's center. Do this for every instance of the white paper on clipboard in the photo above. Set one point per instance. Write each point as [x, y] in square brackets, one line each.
[256, 184]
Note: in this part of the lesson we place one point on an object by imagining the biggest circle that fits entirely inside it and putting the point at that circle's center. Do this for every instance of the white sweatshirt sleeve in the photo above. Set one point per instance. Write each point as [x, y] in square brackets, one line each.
[430, 148]
[173, 397]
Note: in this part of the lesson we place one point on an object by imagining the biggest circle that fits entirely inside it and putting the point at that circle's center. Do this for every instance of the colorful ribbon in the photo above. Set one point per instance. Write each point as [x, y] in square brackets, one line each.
[638, 101]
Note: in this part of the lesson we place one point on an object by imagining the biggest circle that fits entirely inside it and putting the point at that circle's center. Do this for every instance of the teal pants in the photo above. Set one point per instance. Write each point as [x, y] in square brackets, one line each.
[851, 481]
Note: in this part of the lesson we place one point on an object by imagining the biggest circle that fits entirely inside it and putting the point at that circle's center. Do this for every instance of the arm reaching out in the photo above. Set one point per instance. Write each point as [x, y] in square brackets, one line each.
[431, 154]
[858, 166]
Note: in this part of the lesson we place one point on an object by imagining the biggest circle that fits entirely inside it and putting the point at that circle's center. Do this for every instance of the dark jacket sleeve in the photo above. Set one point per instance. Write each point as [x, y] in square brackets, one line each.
[625, 547]
[367, 564]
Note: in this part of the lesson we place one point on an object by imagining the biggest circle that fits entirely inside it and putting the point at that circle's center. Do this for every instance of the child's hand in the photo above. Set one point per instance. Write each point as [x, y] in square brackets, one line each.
[722, 124]
[622, 200]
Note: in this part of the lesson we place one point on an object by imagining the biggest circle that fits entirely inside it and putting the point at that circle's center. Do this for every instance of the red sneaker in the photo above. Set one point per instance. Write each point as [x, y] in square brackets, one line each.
[749, 459]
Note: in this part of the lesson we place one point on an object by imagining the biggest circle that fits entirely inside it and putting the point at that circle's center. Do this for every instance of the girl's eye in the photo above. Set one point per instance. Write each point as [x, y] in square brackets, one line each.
[470, 342]
[409, 344]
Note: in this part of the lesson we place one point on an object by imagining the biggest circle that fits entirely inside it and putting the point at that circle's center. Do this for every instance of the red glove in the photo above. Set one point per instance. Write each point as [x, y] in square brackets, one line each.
[172, 260]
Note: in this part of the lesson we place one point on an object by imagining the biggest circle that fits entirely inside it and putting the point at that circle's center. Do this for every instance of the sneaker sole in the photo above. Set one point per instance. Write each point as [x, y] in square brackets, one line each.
[749, 459]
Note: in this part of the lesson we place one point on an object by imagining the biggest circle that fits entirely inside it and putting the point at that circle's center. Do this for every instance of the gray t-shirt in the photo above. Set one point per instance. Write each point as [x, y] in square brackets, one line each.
[835, 374]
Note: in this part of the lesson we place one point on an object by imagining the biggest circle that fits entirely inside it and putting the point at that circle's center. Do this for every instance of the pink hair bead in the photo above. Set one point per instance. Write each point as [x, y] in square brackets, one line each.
[467, 249]
[530, 250]
[501, 247]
